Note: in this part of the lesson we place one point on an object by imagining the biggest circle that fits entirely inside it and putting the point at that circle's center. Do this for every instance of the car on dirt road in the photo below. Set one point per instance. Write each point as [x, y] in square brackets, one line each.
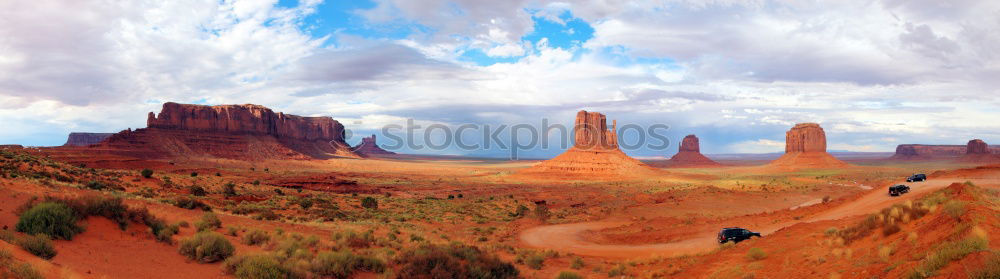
[736, 235]
[899, 189]
[917, 177]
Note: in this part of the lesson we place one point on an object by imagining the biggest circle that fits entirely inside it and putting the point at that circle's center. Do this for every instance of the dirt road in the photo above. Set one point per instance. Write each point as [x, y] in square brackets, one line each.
[566, 237]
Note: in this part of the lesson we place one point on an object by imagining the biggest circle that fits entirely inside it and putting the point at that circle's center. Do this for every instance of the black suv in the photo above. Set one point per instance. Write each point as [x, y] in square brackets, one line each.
[917, 177]
[735, 235]
[897, 190]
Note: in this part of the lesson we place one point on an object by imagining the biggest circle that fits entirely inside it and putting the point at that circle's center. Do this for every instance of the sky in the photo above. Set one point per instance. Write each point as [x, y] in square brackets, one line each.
[738, 74]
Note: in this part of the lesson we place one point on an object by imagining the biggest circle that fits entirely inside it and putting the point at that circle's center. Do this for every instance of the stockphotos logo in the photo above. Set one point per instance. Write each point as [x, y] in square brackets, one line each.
[520, 137]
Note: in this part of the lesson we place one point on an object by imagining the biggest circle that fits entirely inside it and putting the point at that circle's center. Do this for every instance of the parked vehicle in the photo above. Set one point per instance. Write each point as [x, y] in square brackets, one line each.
[736, 235]
[897, 190]
[917, 177]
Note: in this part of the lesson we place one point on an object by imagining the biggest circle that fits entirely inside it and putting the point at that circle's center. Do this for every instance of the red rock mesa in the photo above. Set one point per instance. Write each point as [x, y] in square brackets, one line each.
[805, 147]
[85, 139]
[689, 155]
[977, 151]
[231, 131]
[594, 155]
[368, 147]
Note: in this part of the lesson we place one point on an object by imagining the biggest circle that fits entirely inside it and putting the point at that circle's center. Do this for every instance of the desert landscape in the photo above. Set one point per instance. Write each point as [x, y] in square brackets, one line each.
[536, 139]
[242, 191]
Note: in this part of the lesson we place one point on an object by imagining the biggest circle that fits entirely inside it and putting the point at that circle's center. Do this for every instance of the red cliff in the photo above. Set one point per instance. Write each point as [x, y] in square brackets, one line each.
[689, 155]
[591, 132]
[805, 147]
[231, 131]
[977, 146]
[977, 151]
[369, 147]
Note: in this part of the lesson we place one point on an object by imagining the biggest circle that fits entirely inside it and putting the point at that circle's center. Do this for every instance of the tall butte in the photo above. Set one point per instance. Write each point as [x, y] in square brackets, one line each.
[594, 155]
[368, 147]
[689, 155]
[805, 147]
[977, 151]
[246, 132]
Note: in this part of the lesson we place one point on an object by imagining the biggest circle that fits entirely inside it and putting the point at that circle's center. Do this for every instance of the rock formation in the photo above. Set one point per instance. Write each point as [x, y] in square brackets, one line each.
[368, 147]
[689, 155]
[85, 139]
[805, 147]
[977, 151]
[231, 131]
[594, 155]
[926, 151]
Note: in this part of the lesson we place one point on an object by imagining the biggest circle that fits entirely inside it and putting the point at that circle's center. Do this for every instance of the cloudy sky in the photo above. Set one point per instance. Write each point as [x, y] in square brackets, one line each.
[737, 73]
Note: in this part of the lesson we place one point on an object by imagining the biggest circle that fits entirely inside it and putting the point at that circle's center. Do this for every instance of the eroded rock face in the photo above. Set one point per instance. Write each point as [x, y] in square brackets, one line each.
[85, 139]
[805, 137]
[250, 119]
[368, 146]
[928, 151]
[591, 132]
[977, 146]
[247, 132]
[689, 154]
[805, 147]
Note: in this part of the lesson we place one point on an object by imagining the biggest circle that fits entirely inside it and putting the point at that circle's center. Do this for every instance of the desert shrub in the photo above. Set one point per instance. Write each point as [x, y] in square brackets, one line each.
[147, 173]
[989, 270]
[577, 263]
[890, 229]
[947, 253]
[229, 189]
[189, 203]
[267, 214]
[256, 237]
[353, 239]
[96, 185]
[955, 209]
[305, 203]
[535, 261]
[194, 174]
[451, 261]
[568, 275]
[166, 234]
[521, 211]
[256, 182]
[369, 202]
[344, 263]
[246, 208]
[12, 269]
[49, 218]
[197, 190]
[209, 221]
[830, 231]
[618, 270]
[206, 247]
[39, 245]
[260, 266]
[756, 254]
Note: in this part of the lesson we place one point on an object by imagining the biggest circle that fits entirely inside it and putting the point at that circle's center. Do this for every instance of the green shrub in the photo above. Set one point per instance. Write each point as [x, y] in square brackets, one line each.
[147, 173]
[206, 247]
[166, 234]
[369, 202]
[197, 191]
[53, 219]
[96, 185]
[38, 245]
[577, 263]
[955, 209]
[261, 266]
[535, 261]
[947, 253]
[618, 270]
[568, 275]
[189, 203]
[17, 270]
[353, 239]
[255, 237]
[452, 261]
[305, 203]
[229, 190]
[209, 221]
[756, 254]
[344, 263]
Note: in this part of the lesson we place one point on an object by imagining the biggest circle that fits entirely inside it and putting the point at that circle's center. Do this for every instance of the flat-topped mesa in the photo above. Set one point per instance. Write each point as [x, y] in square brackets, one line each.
[248, 119]
[243, 132]
[805, 137]
[977, 146]
[805, 147]
[689, 154]
[85, 139]
[368, 146]
[591, 132]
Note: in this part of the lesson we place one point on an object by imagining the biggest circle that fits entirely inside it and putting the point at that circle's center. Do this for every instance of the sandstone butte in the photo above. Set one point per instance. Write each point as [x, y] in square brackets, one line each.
[928, 151]
[85, 139]
[689, 155]
[594, 155]
[977, 151]
[805, 147]
[248, 132]
[368, 147]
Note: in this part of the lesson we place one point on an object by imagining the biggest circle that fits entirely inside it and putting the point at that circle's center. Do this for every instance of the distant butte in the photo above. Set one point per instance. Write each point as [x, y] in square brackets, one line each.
[594, 155]
[248, 132]
[85, 139]
[977, 151]
[368, 147]
[689, 155]
[805, 147]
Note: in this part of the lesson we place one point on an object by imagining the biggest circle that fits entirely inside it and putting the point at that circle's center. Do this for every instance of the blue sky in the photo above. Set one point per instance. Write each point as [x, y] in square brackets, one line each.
[737, 73]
